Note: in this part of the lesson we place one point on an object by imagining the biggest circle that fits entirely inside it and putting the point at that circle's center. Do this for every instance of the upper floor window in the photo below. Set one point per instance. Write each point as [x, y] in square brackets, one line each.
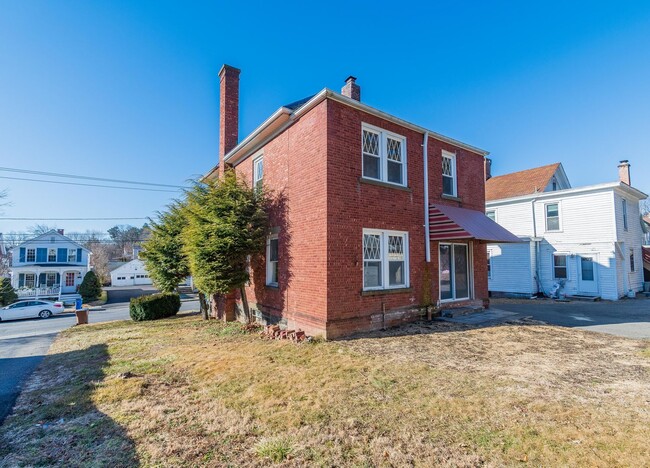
[625, 214]
[448, 173]
[72, 255]
[384, 155]
[385, 259]
[31, 255]
[554, 184]
[272, 260]
[552, 217]
[492, 214]
[258, 172]
[51, 255]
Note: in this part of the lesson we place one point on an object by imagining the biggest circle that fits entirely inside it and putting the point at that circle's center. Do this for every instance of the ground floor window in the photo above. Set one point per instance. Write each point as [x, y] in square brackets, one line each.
[454, 272]
[559, 266]
[385, 259]
[632, 266]
[69, 279]
[272, 260]
[489, 265]
[50, 279]
[30, 280]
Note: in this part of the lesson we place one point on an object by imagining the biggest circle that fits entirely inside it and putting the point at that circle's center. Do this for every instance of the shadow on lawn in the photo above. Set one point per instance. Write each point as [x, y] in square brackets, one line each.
[55, 422]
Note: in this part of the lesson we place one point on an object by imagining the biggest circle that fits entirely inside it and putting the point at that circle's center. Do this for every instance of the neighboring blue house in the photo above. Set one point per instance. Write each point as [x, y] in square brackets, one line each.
[48, 266]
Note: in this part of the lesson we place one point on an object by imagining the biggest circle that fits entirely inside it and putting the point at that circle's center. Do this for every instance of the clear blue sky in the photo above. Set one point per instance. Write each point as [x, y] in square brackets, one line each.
[129, 89]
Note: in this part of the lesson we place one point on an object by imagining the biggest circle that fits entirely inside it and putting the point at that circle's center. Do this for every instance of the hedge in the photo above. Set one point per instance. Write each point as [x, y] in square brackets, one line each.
[155, 306]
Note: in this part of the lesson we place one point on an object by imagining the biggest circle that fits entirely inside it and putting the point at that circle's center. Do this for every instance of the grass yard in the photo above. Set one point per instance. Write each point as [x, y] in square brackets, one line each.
[182, 392]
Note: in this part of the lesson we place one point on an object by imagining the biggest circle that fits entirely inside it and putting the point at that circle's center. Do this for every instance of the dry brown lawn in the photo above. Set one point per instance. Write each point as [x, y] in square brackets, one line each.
[182, 392]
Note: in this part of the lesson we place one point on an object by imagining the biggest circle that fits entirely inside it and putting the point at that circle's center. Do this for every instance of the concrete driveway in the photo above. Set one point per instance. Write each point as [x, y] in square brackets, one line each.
[628, 317]
[23, 343]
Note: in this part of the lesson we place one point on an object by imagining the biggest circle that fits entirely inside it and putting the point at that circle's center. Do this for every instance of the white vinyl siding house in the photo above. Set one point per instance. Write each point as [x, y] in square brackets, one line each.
[48, 266]
[578, 233]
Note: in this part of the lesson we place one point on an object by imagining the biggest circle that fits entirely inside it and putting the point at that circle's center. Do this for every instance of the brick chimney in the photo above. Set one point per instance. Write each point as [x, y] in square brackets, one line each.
[487, 168]
[228, 111]
[351, 89]
[60, 231]
[624, 172]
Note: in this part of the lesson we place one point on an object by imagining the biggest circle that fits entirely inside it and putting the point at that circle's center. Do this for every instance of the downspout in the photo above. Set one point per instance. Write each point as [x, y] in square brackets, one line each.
[425, 157]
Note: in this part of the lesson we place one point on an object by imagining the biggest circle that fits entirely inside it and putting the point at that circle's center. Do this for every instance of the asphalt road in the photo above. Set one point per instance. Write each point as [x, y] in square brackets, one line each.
[628, 317]
[23, 343]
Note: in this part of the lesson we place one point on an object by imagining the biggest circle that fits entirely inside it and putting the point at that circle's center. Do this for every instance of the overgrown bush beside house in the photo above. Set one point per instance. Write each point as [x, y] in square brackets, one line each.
[90, 288]
[154, 307]
[7, 292]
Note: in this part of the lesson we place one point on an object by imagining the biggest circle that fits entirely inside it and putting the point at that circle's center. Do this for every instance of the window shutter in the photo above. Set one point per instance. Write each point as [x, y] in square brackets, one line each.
[21, 278]
[22, 255]
[78, 255]
[41, 254]
[62, 255]
[58, 279]
[42, 280]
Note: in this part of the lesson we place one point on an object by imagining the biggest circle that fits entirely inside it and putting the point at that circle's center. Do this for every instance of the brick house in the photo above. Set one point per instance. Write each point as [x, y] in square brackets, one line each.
[377, 217]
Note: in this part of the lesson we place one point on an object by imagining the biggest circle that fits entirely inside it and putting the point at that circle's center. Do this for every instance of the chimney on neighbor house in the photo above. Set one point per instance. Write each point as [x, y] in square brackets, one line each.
[351, 88]
[60, 231]
[228, 111]
[487, 168]
[624, 172]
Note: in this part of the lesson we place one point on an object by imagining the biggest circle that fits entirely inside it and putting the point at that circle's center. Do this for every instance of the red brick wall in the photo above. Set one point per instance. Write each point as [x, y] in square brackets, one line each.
[354, 205]
[294, 170]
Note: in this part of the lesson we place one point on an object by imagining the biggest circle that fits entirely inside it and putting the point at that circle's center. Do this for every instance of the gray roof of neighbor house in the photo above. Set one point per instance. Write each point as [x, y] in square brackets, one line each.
[297, 104]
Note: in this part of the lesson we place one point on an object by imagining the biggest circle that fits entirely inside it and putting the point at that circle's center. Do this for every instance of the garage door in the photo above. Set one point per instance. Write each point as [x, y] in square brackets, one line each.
[142, 279]
[123, 280]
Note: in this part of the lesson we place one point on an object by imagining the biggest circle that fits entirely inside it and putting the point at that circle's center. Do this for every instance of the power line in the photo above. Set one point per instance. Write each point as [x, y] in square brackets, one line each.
[88, 185]
[69, 219]
[73, 176]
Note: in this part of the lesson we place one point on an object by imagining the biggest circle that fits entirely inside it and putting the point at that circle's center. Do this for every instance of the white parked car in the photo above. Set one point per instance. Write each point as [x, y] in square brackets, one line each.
[30, 309]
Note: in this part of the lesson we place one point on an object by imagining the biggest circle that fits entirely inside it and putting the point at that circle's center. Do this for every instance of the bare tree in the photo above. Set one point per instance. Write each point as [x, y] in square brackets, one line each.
[39, 229]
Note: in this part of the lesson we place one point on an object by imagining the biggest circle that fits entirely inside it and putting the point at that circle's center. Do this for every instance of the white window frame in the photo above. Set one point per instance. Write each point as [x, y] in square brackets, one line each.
[68, 275]
[385, 261]
[49, 251]
[33, 280]
[383, 154]
[625, 224]
[559, 216]
[72, 254]
[566, 265]
[47, 279]
[257, 177]
[269, 263]
[632, 261]
[452, 272]
[454, 174]
[27, 255]
[489, 264]
[494, 212]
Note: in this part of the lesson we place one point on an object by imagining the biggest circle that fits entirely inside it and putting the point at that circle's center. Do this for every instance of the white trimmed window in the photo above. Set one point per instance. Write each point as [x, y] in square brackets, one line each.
[384, 155]
[31, 255]
[72, 255]
[552, 211]
[385, 259]
[448, 173]
[50, 279]
[489, 264]
[51, 255]
[492, 214]
[272, 260]
[69, 279]
[632, 266]
[258, 172]
[560, 266]
[30, 280]
[625, 214]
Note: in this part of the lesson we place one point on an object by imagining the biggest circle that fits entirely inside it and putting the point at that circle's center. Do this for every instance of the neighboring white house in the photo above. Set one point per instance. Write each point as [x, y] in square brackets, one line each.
[48, 266]
[132, 273]
[587, 239]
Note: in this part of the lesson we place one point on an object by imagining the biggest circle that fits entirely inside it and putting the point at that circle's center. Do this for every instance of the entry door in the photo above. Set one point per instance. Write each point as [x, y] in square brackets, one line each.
[588, 275]
[454, 272]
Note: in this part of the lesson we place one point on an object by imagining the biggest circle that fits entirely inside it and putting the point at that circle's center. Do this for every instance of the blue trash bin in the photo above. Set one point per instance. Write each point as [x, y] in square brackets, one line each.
[78, 303]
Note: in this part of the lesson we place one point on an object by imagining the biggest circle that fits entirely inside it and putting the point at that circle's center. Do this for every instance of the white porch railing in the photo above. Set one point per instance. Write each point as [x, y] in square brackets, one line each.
[38, 292]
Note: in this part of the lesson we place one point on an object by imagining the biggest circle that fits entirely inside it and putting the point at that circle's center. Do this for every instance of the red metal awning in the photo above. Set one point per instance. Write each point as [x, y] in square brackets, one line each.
[450, 222]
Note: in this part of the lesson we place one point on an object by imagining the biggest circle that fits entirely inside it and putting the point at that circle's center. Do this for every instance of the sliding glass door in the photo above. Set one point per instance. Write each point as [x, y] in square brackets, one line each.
[454, 272]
